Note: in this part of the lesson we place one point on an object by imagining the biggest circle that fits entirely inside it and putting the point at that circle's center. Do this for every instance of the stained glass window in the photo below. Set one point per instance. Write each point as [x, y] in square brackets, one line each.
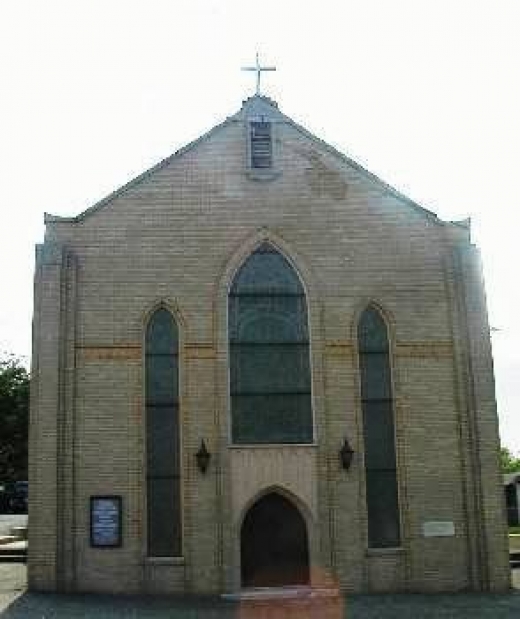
[270, 379]
[378, 429]
[162, 436]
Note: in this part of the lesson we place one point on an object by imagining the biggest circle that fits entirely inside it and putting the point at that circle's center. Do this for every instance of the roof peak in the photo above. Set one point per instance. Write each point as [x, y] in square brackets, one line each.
[254, 107]
[259, 98]
[259, 106]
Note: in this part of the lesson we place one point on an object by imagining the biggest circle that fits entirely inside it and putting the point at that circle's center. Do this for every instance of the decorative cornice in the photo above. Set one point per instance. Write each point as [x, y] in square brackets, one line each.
[339, 348]
[441, 349]
[116, 352]
[200, 351]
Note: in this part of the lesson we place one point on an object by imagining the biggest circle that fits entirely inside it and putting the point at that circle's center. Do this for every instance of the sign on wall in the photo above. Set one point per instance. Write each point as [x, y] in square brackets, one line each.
[105, 521]
[438, 529]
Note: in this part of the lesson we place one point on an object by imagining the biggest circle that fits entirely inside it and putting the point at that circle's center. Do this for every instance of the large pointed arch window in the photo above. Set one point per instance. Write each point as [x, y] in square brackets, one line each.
[162, 436]
[378, 428]
[270, 379]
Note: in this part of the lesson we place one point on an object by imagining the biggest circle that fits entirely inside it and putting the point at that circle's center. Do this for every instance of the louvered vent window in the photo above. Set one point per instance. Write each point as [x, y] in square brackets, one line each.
[261, 145]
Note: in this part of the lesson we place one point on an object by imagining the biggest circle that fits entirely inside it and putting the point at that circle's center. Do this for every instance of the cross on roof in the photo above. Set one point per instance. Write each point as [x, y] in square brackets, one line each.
[258, 69]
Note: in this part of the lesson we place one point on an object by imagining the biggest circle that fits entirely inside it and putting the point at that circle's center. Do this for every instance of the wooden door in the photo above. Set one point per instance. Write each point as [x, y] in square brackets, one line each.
[274, 544]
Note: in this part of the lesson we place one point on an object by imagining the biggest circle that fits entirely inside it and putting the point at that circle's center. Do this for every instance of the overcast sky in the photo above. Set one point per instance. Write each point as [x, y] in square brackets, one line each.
[424, 93]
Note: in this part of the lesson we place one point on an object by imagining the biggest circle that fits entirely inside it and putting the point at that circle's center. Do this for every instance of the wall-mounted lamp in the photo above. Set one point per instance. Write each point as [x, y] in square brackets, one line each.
[345, 455]
[203, 457]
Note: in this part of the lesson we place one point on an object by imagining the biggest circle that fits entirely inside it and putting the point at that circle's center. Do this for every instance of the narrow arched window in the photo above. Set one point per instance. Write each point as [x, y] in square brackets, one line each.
[162, 436]
[270, 380]
[378, 427]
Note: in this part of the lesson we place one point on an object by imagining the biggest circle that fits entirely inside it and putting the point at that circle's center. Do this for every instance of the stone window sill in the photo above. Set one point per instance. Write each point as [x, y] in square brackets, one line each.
[263, 174]
[164, 560]
[269, 445]
[381, 552]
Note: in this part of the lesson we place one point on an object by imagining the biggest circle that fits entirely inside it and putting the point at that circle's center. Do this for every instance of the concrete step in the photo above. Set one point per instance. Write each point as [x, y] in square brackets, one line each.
[13, 558]
[19, 532]
[295, 592]
[15, 552]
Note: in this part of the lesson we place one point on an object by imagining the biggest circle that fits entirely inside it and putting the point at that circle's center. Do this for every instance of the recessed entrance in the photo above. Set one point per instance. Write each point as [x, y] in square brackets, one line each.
[273, 544]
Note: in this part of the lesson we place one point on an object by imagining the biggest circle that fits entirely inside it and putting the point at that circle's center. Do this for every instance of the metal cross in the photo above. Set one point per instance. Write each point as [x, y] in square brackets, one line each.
[258, 69]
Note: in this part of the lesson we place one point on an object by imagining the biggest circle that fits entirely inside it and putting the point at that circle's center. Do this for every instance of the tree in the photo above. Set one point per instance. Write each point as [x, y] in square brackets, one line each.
[14, 419]
[509, 462]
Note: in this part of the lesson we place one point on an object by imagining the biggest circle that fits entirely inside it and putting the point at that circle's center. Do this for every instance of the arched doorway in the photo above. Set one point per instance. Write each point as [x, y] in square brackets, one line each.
[274, 544]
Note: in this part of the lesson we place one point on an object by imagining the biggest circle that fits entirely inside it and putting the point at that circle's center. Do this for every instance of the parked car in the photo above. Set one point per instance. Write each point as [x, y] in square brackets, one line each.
[20, 501]
[4, 498]
[14, 497]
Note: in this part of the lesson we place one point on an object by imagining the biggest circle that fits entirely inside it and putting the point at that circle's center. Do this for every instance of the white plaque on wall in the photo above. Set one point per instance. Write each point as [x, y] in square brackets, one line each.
[438, 529]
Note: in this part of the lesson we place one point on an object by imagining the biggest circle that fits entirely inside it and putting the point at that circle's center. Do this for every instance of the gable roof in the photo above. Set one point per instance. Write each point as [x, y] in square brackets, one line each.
[257, 105]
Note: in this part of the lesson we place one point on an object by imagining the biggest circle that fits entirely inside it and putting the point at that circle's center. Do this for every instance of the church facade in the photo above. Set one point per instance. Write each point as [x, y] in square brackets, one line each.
[257, 365]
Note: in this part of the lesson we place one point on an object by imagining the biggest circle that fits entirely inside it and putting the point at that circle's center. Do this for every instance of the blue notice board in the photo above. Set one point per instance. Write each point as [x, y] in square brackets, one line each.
[105, 521]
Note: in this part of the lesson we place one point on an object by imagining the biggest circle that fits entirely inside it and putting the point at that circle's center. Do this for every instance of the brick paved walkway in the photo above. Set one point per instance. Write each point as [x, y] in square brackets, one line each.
[15, 604]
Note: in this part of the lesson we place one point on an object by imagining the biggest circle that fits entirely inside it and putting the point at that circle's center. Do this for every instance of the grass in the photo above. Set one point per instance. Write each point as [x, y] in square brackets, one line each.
[514, 530]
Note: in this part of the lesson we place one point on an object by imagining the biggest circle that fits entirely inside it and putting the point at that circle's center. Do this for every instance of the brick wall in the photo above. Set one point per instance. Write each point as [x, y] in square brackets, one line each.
[176, 238]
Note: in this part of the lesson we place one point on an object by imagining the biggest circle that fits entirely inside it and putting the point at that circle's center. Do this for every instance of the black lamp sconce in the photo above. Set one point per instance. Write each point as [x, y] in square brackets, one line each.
[345, 455]
[203, 457]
